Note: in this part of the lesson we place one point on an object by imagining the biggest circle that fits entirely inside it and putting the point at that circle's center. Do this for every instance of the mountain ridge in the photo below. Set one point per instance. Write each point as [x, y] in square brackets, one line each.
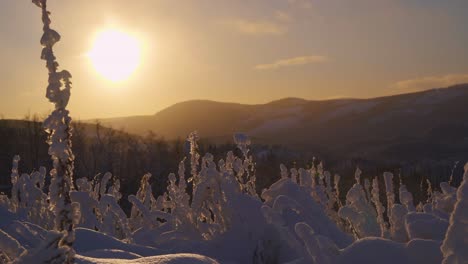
[281, 101]
[334, 124]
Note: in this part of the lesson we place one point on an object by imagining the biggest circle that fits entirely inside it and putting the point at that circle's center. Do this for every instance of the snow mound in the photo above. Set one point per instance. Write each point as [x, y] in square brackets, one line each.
[90, 241]
[111, 253]
[162, 259]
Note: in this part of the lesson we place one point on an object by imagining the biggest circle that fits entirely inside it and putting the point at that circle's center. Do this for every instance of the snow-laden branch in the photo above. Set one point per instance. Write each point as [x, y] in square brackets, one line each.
[59, 129]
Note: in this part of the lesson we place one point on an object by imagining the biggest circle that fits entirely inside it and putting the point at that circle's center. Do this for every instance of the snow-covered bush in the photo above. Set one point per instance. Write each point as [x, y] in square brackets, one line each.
[456, 241]
[359, 211]
[299, 218]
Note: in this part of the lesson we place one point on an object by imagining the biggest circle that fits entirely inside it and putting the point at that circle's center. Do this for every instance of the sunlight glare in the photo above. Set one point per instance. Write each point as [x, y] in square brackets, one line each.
[115, 55]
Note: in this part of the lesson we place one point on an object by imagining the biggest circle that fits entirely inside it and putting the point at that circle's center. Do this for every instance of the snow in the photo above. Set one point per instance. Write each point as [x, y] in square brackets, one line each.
[275, 119]
[162, 259]
[276, 112]
[349, 108]
[298, 219]
[9, 246]
[437, 96]
[276, 125]
[89, 241]
[111, 253]
[425, 226]
[384, 251]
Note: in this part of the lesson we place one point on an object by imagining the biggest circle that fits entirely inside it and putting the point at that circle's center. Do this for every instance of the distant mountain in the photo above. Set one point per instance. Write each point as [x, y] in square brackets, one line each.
[423, 124]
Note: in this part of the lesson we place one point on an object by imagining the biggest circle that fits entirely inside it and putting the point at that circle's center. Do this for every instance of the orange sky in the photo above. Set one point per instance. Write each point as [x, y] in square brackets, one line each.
[239, 51]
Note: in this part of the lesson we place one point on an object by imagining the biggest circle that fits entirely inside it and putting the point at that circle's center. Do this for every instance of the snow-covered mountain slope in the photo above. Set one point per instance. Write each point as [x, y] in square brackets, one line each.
[385, 123]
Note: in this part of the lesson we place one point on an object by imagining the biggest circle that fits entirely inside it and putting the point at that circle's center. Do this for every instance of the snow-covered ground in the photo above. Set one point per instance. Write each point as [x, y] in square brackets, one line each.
[299, 219]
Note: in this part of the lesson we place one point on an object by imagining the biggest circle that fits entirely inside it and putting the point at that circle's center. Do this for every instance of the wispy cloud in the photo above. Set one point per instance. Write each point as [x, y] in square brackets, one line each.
[296, 61]
[253, 27]
[283, 16]
[429, 82]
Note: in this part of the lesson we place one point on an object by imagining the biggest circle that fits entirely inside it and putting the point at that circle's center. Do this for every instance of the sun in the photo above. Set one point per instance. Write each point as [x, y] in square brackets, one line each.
[115, 54]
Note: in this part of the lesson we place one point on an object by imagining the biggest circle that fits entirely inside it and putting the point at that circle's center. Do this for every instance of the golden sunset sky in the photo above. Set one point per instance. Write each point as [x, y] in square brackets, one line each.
[246, 51]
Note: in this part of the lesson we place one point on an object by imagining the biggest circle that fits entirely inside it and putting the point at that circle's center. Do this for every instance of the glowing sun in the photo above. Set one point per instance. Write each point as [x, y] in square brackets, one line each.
[115, 55]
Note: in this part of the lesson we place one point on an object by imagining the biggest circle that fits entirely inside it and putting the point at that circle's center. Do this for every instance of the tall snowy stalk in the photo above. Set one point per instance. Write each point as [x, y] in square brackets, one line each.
[380, 209]
[57, 125]
[14, 184]
[388, 178]
[194, 157]
[455, 243]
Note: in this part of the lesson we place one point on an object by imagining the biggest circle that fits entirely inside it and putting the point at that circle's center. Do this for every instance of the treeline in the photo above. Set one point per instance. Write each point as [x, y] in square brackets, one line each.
[128, 157]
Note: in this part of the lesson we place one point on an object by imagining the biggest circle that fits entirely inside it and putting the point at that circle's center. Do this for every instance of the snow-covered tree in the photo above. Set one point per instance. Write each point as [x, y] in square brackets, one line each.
[455, 243]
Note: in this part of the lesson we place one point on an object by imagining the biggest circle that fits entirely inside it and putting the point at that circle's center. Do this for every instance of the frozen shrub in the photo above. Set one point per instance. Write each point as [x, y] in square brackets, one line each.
[444, 202]
[103, 185]
[329, 191]
[245, 168]
[4, 202]
[320, 249]
[455, 242]
[88, 207]
[37, 203]
[305, 179]
[397, 230]
[318, 186]
[144, 198]
[294, 175]
[336, 181]
[14, 202]
[194, 156]
[180, 201]
[284, 171]
[367, 188]
[98, 206]
[147, 218]
[242, 141]
[359, 212]
[406, 198]
[114, 220]
[388, 178]
[207, 200]
[291, 204]
[395, 212]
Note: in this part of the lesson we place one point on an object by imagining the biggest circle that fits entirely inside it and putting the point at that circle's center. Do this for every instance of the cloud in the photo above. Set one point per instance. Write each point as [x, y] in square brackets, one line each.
[296, 61]
[429, 82]
[250, 27]
[283, 16]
